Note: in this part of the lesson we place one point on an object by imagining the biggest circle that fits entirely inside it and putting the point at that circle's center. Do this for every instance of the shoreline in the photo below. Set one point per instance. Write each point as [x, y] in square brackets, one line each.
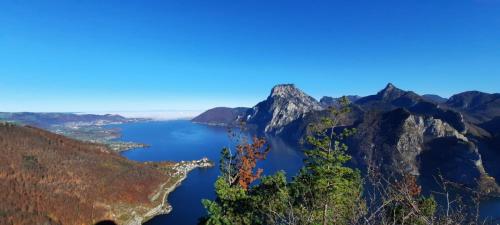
[223, 125]
[121, 146]
[183, 169]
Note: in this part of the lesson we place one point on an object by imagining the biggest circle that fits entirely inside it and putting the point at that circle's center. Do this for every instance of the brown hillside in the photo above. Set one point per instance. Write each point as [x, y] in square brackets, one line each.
[49, 179]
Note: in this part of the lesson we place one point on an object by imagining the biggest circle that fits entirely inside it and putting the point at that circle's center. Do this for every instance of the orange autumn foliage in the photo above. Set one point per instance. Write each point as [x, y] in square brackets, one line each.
[46, 178]
[410, 185]
[249, 154]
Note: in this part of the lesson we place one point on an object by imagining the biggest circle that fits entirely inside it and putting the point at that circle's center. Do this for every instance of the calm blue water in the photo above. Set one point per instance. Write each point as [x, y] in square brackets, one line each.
[183, 140]
[490, 209]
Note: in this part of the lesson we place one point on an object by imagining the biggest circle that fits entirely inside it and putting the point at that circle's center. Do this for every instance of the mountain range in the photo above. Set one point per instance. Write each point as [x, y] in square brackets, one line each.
[46, 120]
[398, 131]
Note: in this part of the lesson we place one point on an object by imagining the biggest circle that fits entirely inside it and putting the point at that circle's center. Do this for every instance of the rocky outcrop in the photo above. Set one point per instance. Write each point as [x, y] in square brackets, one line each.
[453, 118]
[490, 148]
[399, 142]
[285, 104]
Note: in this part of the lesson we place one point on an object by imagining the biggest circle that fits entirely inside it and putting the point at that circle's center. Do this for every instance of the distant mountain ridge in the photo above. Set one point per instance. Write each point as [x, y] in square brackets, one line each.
[434, 98]
[45, 120]
[333, 102]
[390, 97]
[478, 106]
[222, 116]
[84, 127]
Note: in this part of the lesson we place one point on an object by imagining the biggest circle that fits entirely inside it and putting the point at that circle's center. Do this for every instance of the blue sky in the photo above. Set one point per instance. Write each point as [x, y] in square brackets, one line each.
[69, 55]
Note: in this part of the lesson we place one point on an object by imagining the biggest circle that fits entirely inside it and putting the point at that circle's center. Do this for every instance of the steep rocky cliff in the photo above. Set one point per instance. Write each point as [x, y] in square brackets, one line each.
[400, 142]
[490, 149]
[285, 104]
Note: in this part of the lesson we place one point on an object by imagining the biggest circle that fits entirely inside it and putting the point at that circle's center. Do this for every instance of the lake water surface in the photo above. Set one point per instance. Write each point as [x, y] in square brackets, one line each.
[183, 140]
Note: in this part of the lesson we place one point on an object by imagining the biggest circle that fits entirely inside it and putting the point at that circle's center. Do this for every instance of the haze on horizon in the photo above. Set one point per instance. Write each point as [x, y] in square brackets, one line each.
[188, 56]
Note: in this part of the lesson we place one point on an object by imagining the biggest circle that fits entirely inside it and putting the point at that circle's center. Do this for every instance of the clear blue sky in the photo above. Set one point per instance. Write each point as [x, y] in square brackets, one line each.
[95, 55]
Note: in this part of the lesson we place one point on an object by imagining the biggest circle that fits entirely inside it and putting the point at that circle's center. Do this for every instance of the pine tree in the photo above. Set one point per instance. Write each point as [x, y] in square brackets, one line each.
[328, 191]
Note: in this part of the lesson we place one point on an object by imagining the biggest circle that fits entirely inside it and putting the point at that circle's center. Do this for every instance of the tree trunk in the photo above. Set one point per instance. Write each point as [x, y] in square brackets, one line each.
[325, 220]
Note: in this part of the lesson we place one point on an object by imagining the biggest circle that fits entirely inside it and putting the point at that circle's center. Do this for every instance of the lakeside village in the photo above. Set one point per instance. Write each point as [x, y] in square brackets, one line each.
[184, 167]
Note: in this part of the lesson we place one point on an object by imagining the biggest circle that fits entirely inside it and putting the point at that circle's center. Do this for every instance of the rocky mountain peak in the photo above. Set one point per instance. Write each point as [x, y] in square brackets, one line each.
[285, 91]
[390, 86]
[285, 104]
[390, 91]
[287, 94]
[389, 98]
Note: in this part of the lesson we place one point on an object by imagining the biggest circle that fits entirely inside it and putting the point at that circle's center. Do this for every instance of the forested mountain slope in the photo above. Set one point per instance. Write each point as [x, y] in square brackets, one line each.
[50, 179]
